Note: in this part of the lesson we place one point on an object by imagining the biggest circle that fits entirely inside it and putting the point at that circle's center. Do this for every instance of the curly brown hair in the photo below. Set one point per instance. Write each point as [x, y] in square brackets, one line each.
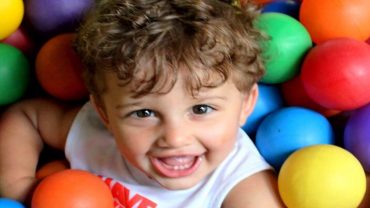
[148, 42]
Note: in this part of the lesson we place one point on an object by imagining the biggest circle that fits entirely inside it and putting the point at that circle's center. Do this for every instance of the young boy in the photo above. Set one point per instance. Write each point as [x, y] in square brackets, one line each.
[171, 82]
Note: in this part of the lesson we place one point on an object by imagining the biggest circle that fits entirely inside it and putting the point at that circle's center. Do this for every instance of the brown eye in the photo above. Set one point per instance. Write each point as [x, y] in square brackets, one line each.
[201, 109]
[143, 113]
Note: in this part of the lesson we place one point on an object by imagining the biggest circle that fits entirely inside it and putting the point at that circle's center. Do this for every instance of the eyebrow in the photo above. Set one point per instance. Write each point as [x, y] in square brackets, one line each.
[206, 97]
[120, 106]
[198, 98]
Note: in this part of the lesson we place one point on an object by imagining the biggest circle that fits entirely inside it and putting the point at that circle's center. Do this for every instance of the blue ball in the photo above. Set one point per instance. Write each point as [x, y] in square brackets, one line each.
[269, 100]
[289, 129]
[10, 203]
[288, 7]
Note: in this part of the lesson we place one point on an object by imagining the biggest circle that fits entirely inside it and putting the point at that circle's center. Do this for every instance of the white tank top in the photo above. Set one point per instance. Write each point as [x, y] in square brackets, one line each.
[91, 147]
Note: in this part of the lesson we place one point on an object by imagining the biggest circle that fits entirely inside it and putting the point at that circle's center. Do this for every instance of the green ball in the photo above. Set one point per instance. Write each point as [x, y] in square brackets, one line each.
[14, 74]
[287, 44]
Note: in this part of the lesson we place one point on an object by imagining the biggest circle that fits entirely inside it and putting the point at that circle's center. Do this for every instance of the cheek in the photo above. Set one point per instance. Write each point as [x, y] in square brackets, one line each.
[132, 144]
[221, 137]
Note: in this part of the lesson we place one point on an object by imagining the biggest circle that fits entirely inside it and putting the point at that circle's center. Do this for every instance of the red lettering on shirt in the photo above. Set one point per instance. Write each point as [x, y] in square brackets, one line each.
[122, 198]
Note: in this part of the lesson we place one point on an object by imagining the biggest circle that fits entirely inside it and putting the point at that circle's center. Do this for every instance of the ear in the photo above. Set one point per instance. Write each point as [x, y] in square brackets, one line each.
[99, 108]
[249, 101]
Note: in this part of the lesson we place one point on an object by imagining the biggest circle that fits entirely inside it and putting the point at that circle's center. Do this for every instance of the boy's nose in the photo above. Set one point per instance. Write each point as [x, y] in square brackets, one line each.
[175, 135]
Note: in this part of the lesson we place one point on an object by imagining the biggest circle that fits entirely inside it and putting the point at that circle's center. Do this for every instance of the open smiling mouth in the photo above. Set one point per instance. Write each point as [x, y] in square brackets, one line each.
[177, 166]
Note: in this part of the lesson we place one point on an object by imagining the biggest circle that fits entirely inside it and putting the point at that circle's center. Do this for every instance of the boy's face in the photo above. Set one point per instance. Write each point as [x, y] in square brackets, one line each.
[174, 138]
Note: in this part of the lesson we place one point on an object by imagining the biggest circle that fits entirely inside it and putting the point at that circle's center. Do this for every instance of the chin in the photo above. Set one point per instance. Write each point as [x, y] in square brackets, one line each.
[178, 184]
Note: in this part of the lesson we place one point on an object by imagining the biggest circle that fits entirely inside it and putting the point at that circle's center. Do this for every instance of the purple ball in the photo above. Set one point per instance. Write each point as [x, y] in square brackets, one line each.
[357, 136]
[52, 17]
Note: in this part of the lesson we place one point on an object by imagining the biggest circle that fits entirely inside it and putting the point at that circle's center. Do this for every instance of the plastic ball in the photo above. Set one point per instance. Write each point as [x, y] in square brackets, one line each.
[284, 51]
[328, 19]
[72, 189]
[11, 16]
[336, 74]
[50, 18]
[295, 95]
[269, 99]
[14, 74]
[51, 167]
[322, 176]
[262, 2]
[288, 7]
[58, 69]
[366, 200]
[21, 40]
[10, 203]
[356, 135]
[288, 129]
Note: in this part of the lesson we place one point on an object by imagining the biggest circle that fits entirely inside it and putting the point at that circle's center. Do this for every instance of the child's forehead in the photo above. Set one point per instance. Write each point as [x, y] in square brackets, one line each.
[164, 86]
[181, 91]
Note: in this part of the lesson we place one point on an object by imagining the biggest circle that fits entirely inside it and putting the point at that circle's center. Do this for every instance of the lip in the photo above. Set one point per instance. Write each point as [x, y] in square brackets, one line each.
[179, 170]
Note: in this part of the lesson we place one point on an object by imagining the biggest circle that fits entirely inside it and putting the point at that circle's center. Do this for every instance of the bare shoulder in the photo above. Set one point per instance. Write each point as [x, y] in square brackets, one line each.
[51, 118]
[258, 190]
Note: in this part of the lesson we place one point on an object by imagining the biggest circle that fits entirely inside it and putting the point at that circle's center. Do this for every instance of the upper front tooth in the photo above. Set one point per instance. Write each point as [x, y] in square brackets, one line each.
[181, 167]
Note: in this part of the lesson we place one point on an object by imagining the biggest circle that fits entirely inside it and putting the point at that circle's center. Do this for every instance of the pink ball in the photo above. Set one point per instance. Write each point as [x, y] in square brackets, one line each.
[21, 40]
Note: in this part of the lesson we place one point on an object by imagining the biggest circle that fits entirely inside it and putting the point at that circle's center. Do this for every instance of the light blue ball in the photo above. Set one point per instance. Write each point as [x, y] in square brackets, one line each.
[269, 100]
[10, 203]
[289, 129]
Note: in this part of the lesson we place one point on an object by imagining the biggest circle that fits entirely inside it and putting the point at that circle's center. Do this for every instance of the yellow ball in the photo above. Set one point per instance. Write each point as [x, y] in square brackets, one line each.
[11, 15]
[322, 176]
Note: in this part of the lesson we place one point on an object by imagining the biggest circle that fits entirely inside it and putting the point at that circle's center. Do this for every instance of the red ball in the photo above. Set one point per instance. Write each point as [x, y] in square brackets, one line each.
[72, 189]
[295, 95]
[58, 69]
[336, 74]
[329, 19]
[262, 2]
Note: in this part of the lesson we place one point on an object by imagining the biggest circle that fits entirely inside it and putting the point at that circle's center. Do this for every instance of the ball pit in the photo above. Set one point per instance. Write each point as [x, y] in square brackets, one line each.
[58, 69]
[322, 176]
[290, 128]
[336, 74]
[72, 189]
[356, 135]
[14, 74]
[283, 52]
[11, 16]
[318, 18]
[328, 19]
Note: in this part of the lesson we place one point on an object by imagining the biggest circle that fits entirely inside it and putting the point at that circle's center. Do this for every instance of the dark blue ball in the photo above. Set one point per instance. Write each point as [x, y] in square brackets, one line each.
[288, 7]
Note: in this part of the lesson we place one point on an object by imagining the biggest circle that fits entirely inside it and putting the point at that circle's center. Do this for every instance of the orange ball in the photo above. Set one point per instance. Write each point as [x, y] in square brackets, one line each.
[328, 19]
[72, 189]
[51, 167]
[58, 69]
